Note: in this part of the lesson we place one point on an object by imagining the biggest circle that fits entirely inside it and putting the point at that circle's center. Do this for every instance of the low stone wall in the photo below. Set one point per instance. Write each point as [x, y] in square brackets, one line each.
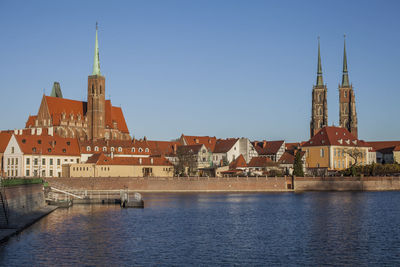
[346, 184]
[185, 184]
[23, 199]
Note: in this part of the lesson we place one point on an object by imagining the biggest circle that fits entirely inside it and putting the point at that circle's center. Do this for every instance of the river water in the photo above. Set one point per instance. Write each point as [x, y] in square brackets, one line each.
[312, 228]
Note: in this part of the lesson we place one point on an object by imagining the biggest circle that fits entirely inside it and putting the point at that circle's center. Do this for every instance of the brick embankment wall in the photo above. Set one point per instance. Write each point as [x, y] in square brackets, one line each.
[23, 199]
[192, 184]
[346, 184]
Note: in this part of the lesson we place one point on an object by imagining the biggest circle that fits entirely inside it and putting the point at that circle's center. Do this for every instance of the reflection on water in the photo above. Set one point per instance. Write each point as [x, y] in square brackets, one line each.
[341, 228]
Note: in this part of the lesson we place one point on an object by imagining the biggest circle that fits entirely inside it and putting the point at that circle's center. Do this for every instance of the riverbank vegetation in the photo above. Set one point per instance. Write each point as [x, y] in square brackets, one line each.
[374, 169]
[20, 181]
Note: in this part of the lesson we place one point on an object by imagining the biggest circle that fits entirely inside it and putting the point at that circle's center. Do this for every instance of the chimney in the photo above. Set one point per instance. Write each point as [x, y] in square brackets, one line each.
[255, 143]
[175, 148]
[264, 144]
[145, 138]
[197, 140]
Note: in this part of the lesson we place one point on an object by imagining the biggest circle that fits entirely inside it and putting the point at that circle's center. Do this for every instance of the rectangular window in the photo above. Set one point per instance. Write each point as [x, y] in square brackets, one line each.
[58, 162]
[27, 172]
[16, 161]
[12, 161]
[28, 161]
[51, 173]
[77, 160]
[322, 153]
[51, 163]
[43, 161]
[334, 152]
[8, 160]
[16, 172]
[35, 161]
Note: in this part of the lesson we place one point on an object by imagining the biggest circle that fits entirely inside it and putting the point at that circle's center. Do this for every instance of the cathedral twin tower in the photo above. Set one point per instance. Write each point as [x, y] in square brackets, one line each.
[347, 104]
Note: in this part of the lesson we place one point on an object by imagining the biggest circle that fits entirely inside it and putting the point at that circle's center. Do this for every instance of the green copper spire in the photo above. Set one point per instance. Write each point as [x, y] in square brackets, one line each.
[56, 91]
[345, 77]
[319, 71]
[96, 61]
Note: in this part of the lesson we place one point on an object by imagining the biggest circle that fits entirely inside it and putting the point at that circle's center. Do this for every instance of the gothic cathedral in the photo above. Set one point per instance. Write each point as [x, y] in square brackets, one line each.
[347, 103]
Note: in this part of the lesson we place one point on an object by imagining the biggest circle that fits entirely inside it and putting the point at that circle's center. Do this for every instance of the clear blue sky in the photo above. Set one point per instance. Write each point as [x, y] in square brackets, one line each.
[219, 68]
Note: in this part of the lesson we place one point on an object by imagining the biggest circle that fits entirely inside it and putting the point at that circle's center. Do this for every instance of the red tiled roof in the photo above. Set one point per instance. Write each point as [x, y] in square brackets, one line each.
[287, 158]
[292, 146]
[261, 162]
[48, 145]
[334, 136]
[4, 139]
[378, 145]
[224, 145]
[208, 141]
[240, 162]
[57, 106]
[267, 147]
[125, 145]
[30, 122]
[147, 161]
[163, 148]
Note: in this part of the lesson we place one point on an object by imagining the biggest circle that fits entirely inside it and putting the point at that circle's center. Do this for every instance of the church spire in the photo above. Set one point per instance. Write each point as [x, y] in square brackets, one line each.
[345, 77]
[319, 71]
[96, 61]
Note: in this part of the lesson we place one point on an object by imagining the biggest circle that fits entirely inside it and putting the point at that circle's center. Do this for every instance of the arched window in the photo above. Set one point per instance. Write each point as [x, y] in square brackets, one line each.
[96, 148]
[319, 111]
[320, 98]
[146, 150]
[345, 93]
[120, 149]
[140, 149]
[88, 148]
[104, 148]
[112, 149]
[92, 89]
[133, 149]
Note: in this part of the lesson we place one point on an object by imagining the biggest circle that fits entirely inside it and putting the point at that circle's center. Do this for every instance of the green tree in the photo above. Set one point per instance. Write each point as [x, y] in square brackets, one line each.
[298, 165]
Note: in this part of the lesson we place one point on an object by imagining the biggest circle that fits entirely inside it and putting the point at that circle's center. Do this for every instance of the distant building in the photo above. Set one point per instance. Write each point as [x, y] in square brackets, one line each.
[194, 160]
[36, 153]
[228, 150]
[100, 165]
[209, 142]
[270, 149]
[386, 151]
[91, 120]
[4, 140]
[332, 148]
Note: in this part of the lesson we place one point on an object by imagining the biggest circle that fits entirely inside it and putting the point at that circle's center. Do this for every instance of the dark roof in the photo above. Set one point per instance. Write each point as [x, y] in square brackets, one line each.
[224, 145]
[193, 149]
[261, 162]
[268, 147]
[240, 162]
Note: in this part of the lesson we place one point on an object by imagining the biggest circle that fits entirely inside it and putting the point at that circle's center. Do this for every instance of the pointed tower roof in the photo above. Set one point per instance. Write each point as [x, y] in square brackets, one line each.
[319, 70]
[96, 61]
[56, 91]
[345, 76]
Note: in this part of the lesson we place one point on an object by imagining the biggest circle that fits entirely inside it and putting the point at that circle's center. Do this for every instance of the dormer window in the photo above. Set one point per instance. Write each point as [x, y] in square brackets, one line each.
[88, 148]
[120, 149]
[23, 141]
[347, 141]
[112, 149]
[133, 149]
[140, 149]
[33, 149]
[323, 141]
[49, 150]
[68, 143]
[340, 141]
[39, 141]
[64, 150]
[104, 148]
[146, 150]
[96, 148]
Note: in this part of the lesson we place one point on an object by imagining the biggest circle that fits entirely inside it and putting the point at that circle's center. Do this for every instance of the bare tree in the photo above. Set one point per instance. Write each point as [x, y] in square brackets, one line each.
[354, 153]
